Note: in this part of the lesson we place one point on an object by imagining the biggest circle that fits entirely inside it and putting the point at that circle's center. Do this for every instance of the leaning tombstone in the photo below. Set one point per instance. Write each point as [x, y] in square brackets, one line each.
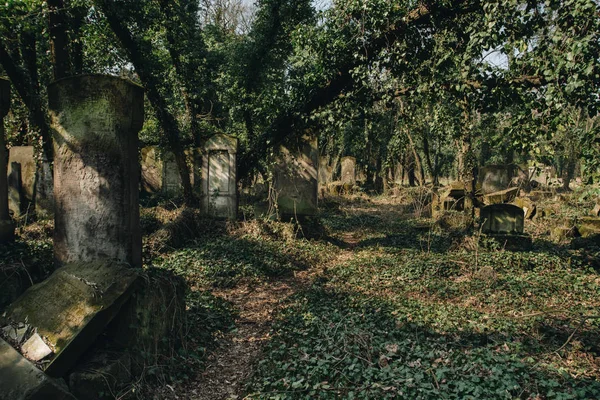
[96, 172]
[505, 224]
[219, 177]
[296, 177]
[7, 227]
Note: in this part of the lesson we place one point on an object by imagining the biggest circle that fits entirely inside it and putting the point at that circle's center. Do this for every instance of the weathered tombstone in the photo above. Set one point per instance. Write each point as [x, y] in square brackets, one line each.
[219, 177]
[494, 178]
[15, 190]
[44, 190]
[504, 223]
[502, 218]
[24, 156]
[72, 307]
[503, 196]
[349, 171]
[296, 177]
[325, 171]
[7, 227]
[171, 180]
[152, 170]
[96, 172]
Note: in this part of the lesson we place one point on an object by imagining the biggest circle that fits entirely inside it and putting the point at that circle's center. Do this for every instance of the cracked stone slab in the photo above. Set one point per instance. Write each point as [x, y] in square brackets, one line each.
[72, 307]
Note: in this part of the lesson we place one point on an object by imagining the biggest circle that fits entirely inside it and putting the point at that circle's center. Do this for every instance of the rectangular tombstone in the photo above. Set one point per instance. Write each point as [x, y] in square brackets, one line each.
[326, 169]
[219, 177]
[16, 199]
[349, 171]
[25, 157]
[495, 178]
[296, 177]
[502, 219]
[44, 190]
[171, 180]
[96, 120]
[72, 307]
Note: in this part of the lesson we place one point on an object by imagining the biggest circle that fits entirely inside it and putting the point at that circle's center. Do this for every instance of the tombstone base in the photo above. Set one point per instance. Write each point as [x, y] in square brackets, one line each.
[512, 242]
[7, 231]
[104, 376]
[21, 380]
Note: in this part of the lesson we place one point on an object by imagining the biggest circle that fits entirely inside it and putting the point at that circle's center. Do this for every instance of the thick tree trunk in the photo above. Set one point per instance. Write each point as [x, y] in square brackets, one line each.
[59, 40]
[24, 87]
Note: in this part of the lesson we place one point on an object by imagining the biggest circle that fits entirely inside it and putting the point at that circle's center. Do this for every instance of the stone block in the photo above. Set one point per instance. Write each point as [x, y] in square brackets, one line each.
[72, 307]
[503, 196]
[24, 156]
[21, 380]
[95, 122]
[502, 219]
[588, 226]
[528, 206]
[596, 210]
[494, 178]
[296, 177]
[219, 177]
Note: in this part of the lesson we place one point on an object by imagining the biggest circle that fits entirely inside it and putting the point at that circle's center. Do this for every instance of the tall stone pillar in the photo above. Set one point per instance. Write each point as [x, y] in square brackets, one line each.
[7, 227]
[96, 119]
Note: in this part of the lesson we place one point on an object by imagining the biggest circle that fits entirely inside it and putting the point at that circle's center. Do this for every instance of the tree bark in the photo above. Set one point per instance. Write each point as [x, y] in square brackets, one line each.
[59, 40]
[24, 87]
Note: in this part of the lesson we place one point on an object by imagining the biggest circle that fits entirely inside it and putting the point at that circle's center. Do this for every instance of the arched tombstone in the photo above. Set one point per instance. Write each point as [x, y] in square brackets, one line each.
[349, 171]
[7, 227]
[96, 120]
[219, 177]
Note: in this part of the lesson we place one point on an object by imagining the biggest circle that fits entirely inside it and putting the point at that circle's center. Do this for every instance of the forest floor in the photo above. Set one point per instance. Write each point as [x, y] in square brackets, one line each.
[372, 299]
[374, 302]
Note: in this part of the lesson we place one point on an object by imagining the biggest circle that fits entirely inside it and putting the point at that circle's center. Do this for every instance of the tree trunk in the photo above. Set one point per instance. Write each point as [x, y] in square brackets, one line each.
[59, 40]
[167, 121]
[22, 84]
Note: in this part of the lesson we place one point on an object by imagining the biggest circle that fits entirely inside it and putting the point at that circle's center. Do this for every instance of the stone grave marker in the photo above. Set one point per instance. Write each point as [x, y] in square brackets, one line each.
[96, 172]
[44, 190]
[71, 308]
[15, 190]
[502, 218]
[495, 178]
[24, 156]
[219, 177]
[7, 227]
[349, 171]
[152, 170]
[296, 177]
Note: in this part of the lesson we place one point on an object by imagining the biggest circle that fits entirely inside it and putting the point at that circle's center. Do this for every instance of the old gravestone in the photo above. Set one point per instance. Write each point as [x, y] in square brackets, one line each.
[152, 170]
[70, 308]
[219, 177]
[44, 189]
[495, 178]
[504, 223]
[16, 199]
[296, 177]
[22, 199]
[96, 172]
[348, 171]
[7, 227]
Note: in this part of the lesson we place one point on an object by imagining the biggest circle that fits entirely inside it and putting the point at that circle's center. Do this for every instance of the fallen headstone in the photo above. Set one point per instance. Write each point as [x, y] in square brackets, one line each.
[21, 380]
[71, 308]
[502, 196]
[588, 226]
[528, 206]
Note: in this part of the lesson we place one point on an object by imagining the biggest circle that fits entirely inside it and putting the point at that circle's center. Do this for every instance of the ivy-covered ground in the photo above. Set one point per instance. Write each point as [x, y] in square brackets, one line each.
[379, 304]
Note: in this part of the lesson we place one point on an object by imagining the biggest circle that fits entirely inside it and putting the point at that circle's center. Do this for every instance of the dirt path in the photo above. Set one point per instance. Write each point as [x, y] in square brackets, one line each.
[231, 364]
